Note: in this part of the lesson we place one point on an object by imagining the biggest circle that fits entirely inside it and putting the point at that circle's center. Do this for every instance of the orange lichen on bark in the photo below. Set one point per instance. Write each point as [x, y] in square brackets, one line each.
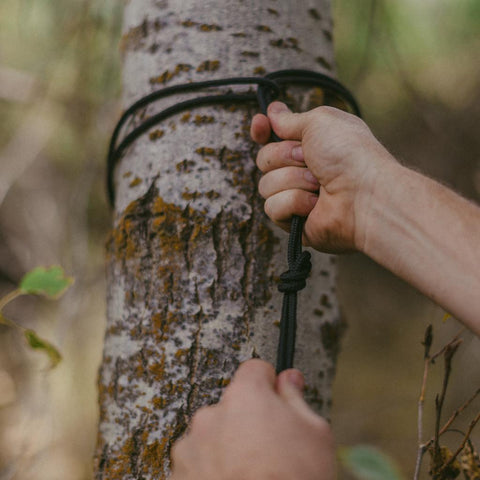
[167, 234]
[167, 75]
[188, 23]
[156, 134]
[223, 382]
[185, 166]
[249, 53]
[208, 66]
[136, 181]
[205, 151]
[205, 27]
[263, 28]
[134, 38]
[123, 241]
[185, 117]
[203, 119]
[157, 370]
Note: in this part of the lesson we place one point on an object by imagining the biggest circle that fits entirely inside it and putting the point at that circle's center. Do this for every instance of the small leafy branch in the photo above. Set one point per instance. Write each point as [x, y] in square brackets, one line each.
[47, 282]
[445, 465]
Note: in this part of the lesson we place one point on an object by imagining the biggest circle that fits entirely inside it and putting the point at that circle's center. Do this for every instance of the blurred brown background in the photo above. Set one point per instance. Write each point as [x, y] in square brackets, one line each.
[415, 69]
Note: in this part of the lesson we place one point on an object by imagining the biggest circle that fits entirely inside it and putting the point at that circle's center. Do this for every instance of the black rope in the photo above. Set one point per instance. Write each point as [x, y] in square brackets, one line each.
[268, 89]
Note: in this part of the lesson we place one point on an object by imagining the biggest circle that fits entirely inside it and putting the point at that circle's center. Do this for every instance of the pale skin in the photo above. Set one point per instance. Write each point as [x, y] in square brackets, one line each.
[355, 197]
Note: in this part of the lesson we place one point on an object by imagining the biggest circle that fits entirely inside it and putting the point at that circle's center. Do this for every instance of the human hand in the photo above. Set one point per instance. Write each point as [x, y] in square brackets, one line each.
[261, 429]
[344, 160]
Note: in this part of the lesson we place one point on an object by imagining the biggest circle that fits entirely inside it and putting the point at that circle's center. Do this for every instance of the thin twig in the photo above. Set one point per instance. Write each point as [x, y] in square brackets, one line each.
[421, 448]
[447, 346]
[449, 352]
[455, 414]
[458, 411]
[421, 451]
[427, 343]
[462, 445]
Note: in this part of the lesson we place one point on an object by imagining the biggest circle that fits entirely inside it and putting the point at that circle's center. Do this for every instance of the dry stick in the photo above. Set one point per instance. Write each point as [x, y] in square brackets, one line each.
[448, 345]
[449, 352]
[464, 442]
[421, 448]
[457, 412]
[427, 342]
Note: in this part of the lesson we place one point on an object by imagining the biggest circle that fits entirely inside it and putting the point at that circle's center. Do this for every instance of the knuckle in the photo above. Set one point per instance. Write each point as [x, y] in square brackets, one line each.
[295, 197]
[285, 151]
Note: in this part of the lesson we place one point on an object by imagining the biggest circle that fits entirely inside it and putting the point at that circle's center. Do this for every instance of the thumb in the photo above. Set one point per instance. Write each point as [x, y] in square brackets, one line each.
[287, 125]
[290, 384]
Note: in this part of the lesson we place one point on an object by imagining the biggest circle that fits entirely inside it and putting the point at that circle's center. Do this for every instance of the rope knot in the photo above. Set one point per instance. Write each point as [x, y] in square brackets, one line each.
[295, 278]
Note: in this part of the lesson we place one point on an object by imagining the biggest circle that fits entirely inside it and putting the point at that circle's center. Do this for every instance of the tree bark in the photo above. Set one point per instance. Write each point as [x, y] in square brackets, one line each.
[192, 261]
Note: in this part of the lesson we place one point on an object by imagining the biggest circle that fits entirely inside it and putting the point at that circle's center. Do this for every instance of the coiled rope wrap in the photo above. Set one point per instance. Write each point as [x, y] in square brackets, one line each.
[269, 89]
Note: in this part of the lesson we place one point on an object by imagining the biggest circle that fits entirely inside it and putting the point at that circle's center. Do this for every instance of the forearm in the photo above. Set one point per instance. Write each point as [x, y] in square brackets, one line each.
[429, 236]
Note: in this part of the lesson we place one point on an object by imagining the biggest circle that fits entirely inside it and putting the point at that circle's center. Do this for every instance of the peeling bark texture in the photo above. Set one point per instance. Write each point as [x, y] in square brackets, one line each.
[192, 261]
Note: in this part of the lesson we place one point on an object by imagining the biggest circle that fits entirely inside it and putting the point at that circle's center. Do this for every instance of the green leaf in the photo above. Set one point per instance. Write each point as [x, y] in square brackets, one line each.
[38, 343]
[49, 282]
[368, 463]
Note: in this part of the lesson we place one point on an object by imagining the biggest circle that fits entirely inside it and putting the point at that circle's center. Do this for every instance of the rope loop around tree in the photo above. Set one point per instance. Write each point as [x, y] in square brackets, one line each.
[269, 88]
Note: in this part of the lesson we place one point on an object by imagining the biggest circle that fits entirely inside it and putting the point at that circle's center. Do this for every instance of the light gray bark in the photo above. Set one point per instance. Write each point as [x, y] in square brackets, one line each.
[192, 260]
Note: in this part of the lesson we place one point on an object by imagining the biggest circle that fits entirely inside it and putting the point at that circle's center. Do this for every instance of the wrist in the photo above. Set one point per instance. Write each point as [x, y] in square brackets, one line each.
[372, 205]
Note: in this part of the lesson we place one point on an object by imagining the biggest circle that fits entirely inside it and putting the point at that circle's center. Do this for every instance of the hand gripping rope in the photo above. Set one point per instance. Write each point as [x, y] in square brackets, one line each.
[268, 89]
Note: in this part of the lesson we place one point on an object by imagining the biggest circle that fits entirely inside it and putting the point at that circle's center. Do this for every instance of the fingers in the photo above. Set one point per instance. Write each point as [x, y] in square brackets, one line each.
[260, 129]
[290, 384]
[287, 178]
[280, 154]
[283, 205]
[252, 376]
[285, 124]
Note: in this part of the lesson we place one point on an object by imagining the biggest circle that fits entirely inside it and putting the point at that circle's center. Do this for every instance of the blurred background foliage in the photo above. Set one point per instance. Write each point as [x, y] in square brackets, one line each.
[415, 69]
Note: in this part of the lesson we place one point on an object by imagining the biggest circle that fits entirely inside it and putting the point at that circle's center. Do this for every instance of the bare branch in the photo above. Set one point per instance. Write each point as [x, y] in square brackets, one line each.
[462, 445]
[427, 342]
[449, 351]
[458, 411]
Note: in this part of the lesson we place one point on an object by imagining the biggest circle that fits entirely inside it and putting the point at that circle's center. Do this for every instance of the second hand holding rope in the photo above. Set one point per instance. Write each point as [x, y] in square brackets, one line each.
[299, 265]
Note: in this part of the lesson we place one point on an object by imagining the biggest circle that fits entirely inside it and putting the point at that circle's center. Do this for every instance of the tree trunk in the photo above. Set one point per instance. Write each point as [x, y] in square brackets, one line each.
[192, 260]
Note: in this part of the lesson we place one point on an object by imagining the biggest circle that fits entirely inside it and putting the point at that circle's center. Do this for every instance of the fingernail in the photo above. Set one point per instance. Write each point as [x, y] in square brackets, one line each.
[278, 107]
[296, 379]
[308, 175]
[313, 200]
[297, 154]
